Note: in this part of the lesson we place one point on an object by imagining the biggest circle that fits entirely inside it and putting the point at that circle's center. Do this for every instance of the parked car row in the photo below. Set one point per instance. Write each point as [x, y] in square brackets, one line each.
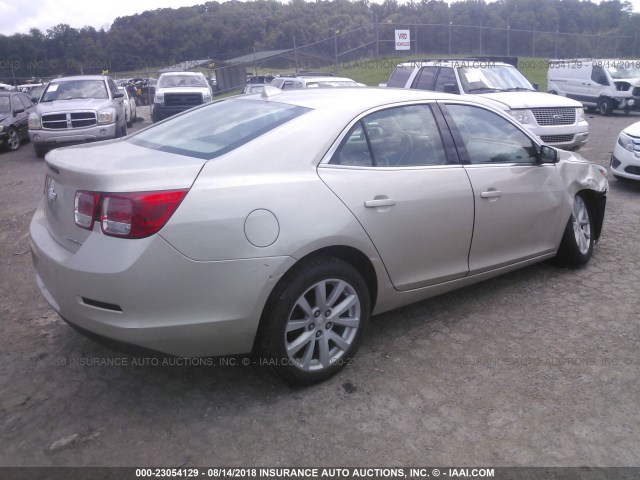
[557, 121]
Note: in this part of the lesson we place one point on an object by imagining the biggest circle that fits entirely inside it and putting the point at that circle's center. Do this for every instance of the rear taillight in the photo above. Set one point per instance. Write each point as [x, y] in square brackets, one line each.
[84, 208]
[126, 215]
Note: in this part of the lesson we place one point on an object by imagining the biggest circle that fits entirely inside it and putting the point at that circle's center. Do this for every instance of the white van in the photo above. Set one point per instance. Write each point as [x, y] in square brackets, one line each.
[558, 121]
[605, 85]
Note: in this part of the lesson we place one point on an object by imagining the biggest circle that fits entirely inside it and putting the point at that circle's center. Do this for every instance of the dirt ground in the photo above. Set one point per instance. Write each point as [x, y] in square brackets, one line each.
[536, 368]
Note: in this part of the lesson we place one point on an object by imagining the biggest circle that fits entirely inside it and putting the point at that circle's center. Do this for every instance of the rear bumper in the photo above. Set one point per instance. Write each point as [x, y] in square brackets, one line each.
[149, 295]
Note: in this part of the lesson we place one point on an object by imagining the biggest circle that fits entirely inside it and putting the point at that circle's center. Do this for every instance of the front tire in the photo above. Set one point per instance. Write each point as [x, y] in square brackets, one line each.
[314, 321]
[13, 140]
[39, 151]
[605, 106]
[576, 247]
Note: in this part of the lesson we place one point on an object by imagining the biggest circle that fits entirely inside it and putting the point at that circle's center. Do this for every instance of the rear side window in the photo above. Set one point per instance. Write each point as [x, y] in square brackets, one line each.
[405, 136]
[217, 128]
[400, 76]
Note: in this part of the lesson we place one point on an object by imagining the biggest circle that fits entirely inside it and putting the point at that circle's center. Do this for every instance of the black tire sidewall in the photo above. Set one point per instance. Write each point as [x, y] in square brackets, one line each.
[272, 333]
[569, 252]
[9, 147]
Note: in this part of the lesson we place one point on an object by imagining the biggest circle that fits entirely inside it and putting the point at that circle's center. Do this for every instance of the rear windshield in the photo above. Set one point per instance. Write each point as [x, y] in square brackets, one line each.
[74, 89]
[217, 128]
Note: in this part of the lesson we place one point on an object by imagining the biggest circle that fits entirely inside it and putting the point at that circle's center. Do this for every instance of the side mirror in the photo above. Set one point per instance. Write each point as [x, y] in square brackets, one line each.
[451, 88]
[118, 95]
[17, 111]
[548, 154]
[536, 86]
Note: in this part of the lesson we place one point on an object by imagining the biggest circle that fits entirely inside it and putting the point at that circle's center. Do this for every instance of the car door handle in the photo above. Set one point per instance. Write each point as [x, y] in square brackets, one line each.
[379, 202]
[491, 194]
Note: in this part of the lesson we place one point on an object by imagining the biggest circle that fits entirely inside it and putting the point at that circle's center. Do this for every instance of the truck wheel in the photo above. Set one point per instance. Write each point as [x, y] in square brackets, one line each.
[605, 106]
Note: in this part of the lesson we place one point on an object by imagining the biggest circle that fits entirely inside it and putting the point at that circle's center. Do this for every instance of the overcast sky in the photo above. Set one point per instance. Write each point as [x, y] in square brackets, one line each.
[20, 16]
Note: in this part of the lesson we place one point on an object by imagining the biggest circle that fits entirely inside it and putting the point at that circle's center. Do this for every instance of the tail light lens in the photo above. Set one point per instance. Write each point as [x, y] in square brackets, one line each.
[126, 215]
[84, 208]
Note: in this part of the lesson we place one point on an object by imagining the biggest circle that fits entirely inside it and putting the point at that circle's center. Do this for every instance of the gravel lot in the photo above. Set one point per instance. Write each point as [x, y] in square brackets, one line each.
[536, 368]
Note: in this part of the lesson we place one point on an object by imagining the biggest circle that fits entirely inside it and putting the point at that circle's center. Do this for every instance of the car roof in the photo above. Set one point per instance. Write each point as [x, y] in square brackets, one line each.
[355, 99]
[453, 61]
[328, 79]
[170, 74]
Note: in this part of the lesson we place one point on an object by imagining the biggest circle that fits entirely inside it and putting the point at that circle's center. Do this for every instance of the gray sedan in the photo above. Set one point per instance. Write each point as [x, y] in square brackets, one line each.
[278, 223]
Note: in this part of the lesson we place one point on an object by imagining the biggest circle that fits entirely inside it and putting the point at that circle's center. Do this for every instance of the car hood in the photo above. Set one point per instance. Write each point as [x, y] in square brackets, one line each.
[522, 100]
[75, 104]
[633, 129]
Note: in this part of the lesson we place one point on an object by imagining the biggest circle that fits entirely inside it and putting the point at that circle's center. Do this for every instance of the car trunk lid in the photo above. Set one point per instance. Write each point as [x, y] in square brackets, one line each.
[113, 166]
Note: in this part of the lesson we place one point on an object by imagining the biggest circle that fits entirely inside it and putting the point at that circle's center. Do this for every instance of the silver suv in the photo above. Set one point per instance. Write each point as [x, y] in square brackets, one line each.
[556, 120]
[76, 110]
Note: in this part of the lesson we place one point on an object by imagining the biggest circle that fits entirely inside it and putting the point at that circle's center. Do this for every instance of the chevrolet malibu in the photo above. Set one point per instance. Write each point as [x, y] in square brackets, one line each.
[278, 223]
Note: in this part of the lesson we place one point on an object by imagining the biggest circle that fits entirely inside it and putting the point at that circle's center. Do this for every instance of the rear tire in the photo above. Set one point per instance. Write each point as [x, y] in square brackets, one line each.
[576, 247]
[314, 321]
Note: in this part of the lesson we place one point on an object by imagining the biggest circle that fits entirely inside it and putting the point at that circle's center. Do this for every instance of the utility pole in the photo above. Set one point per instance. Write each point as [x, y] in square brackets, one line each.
[295, 53]
[335, 41]
[450, 33]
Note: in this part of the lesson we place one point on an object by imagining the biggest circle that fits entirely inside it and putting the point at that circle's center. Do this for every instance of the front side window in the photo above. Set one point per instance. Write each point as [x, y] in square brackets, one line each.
[489, 138]
[447, 81]
[426, 79]
[26, 101]
[599, 76]
[217, 128]
[73, 89]
[400, 136]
